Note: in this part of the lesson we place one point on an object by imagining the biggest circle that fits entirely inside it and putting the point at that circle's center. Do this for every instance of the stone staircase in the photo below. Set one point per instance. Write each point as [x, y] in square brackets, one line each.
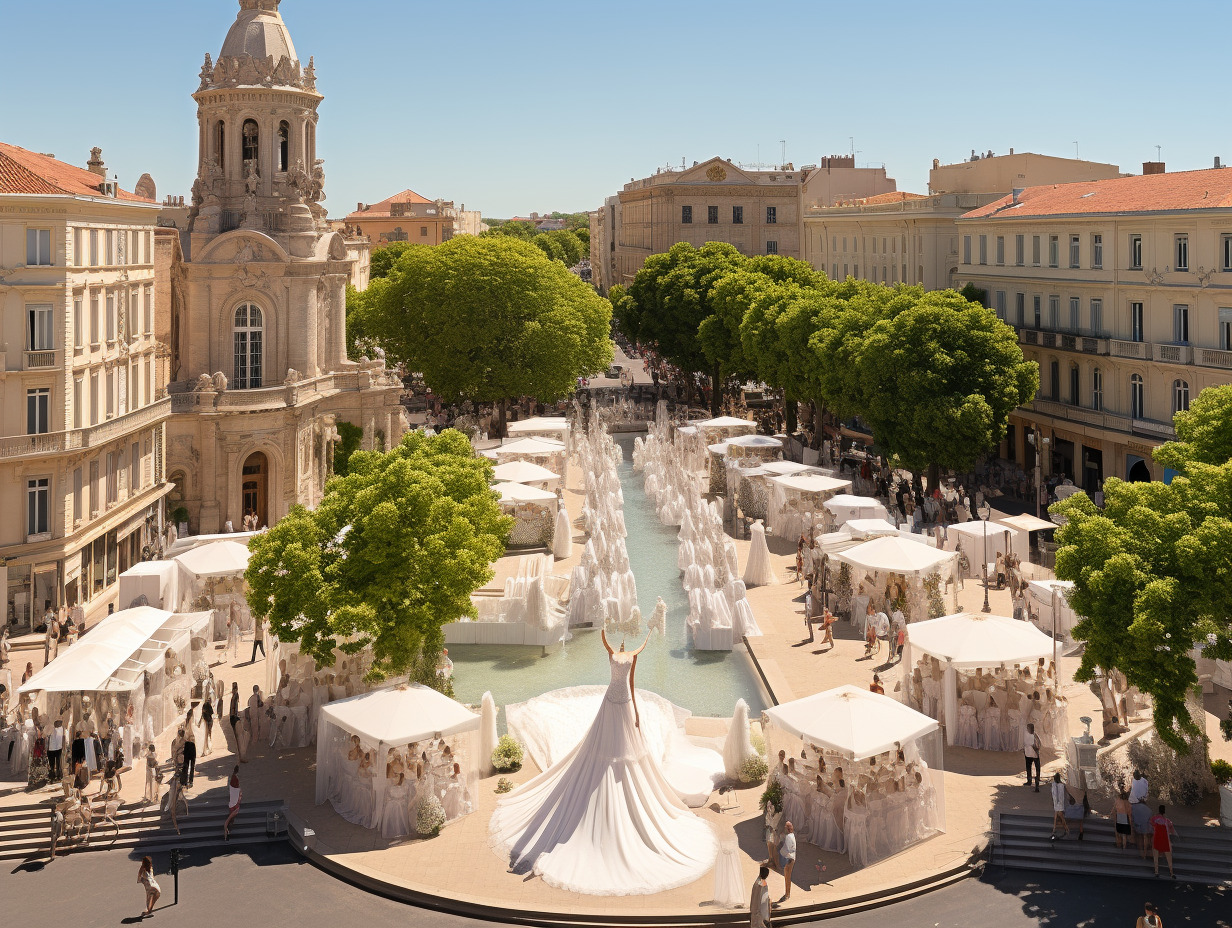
[1021, 841]
[25, 830]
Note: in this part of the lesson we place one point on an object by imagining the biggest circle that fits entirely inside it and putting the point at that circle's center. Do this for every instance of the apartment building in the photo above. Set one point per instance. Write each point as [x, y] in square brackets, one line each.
[83, 403]
[409, 217]
[1122, 291]
[892, 237]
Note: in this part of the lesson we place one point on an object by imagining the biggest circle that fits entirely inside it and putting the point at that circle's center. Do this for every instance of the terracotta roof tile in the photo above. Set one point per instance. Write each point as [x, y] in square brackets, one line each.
[379, 210]
[29, 172]
[1148, 193]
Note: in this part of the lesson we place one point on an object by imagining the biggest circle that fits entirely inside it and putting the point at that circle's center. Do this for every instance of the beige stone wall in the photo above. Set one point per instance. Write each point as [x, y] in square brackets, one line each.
[1005, 172]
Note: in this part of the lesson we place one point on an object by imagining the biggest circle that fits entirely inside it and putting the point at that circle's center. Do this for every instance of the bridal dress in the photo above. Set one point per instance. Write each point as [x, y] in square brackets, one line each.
[395, 818]
[603, 819]
[758, 570]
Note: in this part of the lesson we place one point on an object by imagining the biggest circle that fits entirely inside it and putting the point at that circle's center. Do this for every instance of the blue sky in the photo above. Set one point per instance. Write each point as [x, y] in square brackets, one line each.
[510, 107]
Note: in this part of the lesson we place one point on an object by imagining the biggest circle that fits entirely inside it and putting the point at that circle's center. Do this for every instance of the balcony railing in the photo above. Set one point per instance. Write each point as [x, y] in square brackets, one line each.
[1119, 348]
[1084, 344]
[1173, 354]
[41, 360]
[1213, 357]
[1095, 417]
[374, 375]
[20, 446]
[1153, 429]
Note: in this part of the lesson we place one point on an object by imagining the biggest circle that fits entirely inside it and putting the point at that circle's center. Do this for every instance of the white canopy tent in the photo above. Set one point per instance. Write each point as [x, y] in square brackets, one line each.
[212, 577]
[1027, 523]
[970, 538]
[534, 513]
[157, 581]
[217, 559]
[540, 426]
[92, 660]
[796, 501]
[861, 732]
[870, 528]
[893, 569]
[525, 472]
[1048, 605]
[785, 468]
[546, 452]
[896, 555]
[846, 507]
[411, 720]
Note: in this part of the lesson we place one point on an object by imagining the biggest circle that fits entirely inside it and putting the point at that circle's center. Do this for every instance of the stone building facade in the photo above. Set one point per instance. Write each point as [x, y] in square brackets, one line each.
[83, 405]
[409, 217]
[259, 347]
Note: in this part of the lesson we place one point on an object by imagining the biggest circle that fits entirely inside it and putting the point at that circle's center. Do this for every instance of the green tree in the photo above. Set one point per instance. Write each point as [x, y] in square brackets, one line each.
[350, 435]
[1152, 570]
[389, 557]
[387, 256]
[550, 247]
[938, 378]
[489, 319]
[583, 234]
[356, 322]
[570, 245]
[512, 228]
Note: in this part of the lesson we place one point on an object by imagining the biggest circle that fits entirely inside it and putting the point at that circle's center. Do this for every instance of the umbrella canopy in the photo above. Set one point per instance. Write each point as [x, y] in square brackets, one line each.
[524, 472]
[811, 483]
[867, 528]
[539, 424]
[972, 639]
[897, 554]
[754, 441]
[851, 721]
[217, 559]
[1027, 523]
[530, 446]
[400, 715]
[725, 422]
[520, 493]
[90, 663]
[783, 468]
[847, 501]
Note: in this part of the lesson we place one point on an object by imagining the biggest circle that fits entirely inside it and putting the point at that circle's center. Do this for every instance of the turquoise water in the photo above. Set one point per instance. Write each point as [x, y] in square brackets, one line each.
[705, 682]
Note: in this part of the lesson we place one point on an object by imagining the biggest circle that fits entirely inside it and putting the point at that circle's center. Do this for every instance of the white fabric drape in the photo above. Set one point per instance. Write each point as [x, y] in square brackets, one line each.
[950, 701]
[738, 746]
[562, 537]
[487, 731]
[758, 570]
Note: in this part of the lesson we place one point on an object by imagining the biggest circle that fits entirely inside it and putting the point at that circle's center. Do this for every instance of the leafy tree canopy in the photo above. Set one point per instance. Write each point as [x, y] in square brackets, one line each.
[490, 318]
[1152, 571]
[389, 557]
[385, 257]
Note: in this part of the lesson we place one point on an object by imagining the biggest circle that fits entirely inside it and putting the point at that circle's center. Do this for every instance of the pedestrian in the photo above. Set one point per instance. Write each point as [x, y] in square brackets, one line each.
[1121, 813]
[808, 612]
[900, 642]
[145, 876]
[175, 796]
[1140, 815]
[1150, 917]
[759, 901]
[233, 715]
[1031, 748]
[55, 750]
[207, 720]
[255, 704]
[28, 672]
[234, 795]
[57, 829]
[827, 623]
[875, 686]
[787, 853]
[189, 768]
[257, 642]
[1140, 788]
[1057, 789]
[1161, 842]
[152, 774]
[1077, 812]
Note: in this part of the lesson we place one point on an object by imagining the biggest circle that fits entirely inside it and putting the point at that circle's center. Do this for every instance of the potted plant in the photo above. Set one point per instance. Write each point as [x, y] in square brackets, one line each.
[1223, 776]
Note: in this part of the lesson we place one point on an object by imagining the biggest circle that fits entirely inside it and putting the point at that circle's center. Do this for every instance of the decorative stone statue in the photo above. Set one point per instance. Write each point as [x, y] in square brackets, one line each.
[298, 180]
[219, 381]
[310, 75]
[293, 376]
[252, 182]
[204, 382]
[207, 72]
[316, 191]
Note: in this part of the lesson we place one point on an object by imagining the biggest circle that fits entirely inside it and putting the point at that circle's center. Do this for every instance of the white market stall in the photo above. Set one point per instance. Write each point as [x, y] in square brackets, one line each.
[796, 501]
[527, 473]
[364, 740]
[1027, 523]
[212, 578]
[895, 573]
[862, 774]
[533, 511]
[845, 507]
[1049, 610]
[553, 427]
[157, 581]
[740, 451]
[979, 537]
[546, 452]
[965, 672]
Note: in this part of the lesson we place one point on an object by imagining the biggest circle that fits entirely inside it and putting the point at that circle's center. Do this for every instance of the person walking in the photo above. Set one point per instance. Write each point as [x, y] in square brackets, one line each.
[1031, 748]
[759, 900]
[175, 796]
[1140, 788]
[808, 613]
[255, 704]
[151, 774]
[787, 854]
[1149, 917]
[233, 715]
[189, 769]
[900, 642]
[1122, 812]
[1161, 842]
[145, 876]
[207, 721]
[55, 750]
[57, 829]
[827, 626]
[234, 795]
[257, 642]
[1057, 790]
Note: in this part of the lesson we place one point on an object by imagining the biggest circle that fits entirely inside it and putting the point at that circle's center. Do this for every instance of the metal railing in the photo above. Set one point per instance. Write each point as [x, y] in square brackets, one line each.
[18, 446]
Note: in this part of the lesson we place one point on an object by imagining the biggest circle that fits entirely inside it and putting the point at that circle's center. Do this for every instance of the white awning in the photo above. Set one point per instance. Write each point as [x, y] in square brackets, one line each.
[852, 721]
[869, 528]
[725, 422]
[520, 493]
[784, 468]
[400, 715]
[89, 663]
[896, 554]
[217, 559]
[972, 639]
[811, 483]
[539, 424]
[530, 446]
[1027, 523]
[524, 472]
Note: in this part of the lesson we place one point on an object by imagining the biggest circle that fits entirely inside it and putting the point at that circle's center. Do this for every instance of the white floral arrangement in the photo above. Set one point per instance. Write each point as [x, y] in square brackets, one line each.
[430, 818]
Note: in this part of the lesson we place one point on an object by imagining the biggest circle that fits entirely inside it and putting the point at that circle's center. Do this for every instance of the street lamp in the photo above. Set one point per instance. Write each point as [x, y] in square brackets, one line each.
[984, 512]
[1041, 448]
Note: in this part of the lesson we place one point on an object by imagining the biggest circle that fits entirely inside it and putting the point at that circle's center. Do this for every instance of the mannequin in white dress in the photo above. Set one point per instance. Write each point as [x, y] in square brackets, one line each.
[606, 793]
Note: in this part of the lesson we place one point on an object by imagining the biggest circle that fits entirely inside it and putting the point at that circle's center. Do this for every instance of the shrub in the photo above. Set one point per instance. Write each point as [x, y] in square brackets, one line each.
[773, 795]
[507, 756]
[759, 742]
[430, 817]
[1179, 779]
[504, 785]
[1222, 771]
[754, 769]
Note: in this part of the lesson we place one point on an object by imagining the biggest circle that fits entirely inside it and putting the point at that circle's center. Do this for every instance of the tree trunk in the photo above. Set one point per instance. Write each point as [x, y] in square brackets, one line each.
[789, 413]
[716, 392]
[934, 477]
[501, 408]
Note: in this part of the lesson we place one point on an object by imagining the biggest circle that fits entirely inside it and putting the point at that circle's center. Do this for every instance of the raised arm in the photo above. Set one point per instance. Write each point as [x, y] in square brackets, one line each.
[637, 718]
[644, 643]
[603, 638]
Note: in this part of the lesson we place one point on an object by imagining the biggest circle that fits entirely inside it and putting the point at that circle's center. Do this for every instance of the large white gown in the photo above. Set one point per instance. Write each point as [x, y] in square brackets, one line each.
[758, 570]
[603, 820]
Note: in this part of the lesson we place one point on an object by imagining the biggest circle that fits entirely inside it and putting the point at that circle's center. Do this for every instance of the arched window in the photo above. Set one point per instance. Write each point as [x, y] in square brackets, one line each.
[1054, 381]
[248, 347]
[1137, 396]
[251, 138]
[1075, 394]
[284, 145]
[220, 145]
[1180, 396]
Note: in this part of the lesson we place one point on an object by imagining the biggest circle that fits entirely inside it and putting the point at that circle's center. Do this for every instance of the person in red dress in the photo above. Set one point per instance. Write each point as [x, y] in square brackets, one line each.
[1164, 832]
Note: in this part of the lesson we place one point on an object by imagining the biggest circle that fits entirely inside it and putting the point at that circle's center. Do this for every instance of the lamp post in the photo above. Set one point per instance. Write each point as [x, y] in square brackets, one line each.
[984, 512]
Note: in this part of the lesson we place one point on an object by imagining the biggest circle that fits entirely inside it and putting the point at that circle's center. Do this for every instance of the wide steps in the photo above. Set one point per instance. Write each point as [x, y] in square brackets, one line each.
[1200, 854]
[25, 832]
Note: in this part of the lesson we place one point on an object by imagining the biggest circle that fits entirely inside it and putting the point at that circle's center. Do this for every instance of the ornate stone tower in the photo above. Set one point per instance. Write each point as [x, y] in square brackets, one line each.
[264, 376]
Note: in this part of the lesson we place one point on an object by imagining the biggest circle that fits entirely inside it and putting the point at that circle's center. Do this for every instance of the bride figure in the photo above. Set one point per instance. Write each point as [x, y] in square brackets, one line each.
[603, 820]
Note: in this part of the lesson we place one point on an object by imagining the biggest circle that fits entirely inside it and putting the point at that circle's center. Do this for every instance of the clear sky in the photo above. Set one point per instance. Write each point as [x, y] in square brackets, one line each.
[512, 106]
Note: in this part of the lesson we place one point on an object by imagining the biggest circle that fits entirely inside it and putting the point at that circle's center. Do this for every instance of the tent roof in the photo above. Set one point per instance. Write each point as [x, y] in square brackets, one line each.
[524, 472]
[975, 528]
[150, 569]
[530, 446]
[810, 483]
[847, 501]
[217, 559]
[1047, 586]
[755, 441]
[783, 468]
[89, 663]
[520, 493]
[725, 422]
[972, 639]
[400, 715]
[866, 527]
[539, 424]
[896, 553]
[1027, 523]
[851, 721]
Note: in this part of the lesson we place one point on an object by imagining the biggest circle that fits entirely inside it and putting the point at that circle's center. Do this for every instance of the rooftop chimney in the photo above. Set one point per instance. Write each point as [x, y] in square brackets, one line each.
[95, 164]
[1217, 162]
[1152, 167]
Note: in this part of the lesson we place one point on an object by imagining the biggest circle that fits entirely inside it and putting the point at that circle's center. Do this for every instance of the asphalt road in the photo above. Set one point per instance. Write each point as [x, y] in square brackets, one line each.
[271, 887]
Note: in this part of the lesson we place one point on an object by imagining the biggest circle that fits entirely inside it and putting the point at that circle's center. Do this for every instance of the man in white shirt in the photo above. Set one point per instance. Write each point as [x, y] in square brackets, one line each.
[55, 750]
[759, 902]
[1139, 788]
[787, 854]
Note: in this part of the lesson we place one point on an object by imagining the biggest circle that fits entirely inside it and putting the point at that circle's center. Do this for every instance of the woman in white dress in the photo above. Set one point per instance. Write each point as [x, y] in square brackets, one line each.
[793, 800]
[603, 820]
[457, 798]
[758, 570]
[826, 833]
[395, 817]
[344, 798]
[967, 735]
[990, 726]
[855, 829]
